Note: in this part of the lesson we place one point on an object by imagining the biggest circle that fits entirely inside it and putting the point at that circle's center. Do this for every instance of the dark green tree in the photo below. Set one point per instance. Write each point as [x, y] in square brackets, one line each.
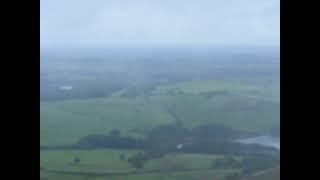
[122, 156]
[76, 160]
[137, 161]
[115, 132]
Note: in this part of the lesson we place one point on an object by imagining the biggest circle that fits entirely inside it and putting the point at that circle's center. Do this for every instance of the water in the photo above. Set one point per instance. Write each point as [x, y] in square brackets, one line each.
[65, 88]
[262, 140]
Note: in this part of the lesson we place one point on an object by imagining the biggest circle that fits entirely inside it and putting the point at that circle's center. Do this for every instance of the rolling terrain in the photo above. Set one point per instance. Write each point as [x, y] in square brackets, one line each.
[134, 92]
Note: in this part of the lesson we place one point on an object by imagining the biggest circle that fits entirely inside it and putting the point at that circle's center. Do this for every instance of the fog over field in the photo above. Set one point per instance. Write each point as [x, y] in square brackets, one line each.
[161, 89]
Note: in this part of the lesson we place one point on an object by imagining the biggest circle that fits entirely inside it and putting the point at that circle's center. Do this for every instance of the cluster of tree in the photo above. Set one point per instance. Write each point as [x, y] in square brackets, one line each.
[171, 164]
[165, 138]
[122, 156]
[218, 132]
[211, 138]
[174, 134]
[214, 93]
[76, 160]
[255, 163]
[114, 140]
[226, 162]
[229, 148]
[138, 160]
[248, 164]
[168, 164]
[207, 139]
[207, 131]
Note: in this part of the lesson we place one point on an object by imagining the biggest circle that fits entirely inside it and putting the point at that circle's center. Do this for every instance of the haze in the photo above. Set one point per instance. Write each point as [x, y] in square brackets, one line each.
[160, 89]
[66, 23]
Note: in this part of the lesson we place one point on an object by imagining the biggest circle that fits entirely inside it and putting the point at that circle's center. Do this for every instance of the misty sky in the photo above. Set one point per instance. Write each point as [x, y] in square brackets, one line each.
[219, 22]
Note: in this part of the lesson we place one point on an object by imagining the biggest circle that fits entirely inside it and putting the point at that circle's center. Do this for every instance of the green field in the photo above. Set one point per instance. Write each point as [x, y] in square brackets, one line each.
[273, 174]
[247, 106]
[195, 175]
[64, 122]
[108, 161]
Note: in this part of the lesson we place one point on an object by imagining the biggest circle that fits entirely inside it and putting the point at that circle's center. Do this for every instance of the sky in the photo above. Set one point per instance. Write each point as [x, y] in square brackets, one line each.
[104, 22]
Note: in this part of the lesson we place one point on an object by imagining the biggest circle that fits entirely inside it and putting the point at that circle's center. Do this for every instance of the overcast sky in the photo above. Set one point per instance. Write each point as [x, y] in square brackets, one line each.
[218, 22]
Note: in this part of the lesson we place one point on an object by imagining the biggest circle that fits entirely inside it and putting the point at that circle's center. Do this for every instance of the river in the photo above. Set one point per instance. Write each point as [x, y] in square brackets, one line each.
[262, 140]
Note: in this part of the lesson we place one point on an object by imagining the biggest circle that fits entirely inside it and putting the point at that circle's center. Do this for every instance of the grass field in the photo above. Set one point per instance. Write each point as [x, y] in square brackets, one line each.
[64, 122]
[247, 106]
[104, 161]
[269, 174]
[195, 175]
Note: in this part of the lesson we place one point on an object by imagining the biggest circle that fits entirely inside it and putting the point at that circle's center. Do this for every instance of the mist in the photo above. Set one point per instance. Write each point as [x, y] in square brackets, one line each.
[160, 89]
[70, 23]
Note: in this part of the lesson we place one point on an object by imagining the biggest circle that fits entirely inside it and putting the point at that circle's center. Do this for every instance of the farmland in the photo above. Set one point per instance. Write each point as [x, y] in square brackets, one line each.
[241, 93]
